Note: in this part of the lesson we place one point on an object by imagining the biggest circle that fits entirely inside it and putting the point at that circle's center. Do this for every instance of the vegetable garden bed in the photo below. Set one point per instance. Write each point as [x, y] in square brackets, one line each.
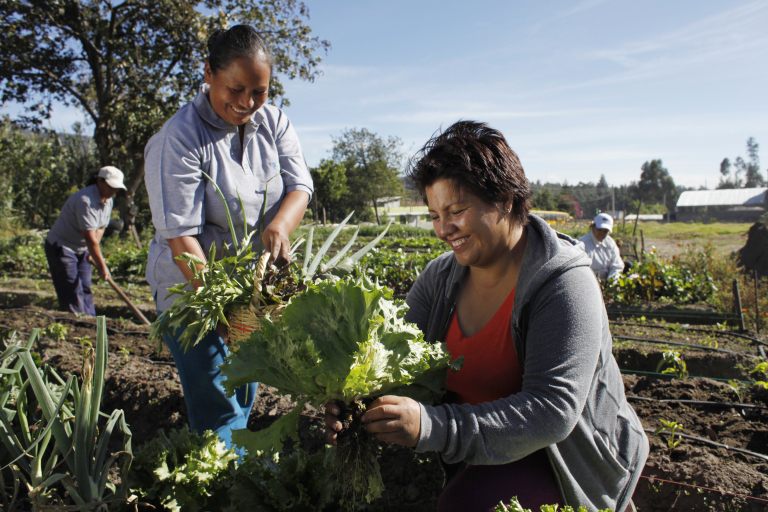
[692, 475]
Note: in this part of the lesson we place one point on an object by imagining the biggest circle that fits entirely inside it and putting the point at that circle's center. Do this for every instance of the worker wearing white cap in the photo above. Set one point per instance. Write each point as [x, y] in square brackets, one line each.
[75, 236]
[598, 244]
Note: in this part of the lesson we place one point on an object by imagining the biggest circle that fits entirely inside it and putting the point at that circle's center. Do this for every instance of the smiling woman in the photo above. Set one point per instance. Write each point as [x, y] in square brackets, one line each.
[232, 135]
[538, 409]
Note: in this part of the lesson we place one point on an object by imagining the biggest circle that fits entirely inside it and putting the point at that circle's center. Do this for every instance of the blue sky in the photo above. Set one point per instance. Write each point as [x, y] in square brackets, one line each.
[579, 89]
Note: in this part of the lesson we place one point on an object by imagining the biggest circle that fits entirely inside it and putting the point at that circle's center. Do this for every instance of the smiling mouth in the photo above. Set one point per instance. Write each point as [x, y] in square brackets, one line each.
[455, 244]
[240, 112]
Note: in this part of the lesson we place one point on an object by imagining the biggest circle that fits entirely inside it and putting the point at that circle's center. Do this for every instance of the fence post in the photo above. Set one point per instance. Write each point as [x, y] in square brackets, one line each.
[757, 308]
[737, 303]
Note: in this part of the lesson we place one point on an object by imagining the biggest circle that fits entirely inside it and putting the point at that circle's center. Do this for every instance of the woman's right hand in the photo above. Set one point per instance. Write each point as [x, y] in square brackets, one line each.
[332, 423]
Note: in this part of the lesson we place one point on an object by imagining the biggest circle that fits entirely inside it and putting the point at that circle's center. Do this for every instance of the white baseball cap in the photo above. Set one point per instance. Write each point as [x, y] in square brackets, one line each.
[604, 221]
[113, 176]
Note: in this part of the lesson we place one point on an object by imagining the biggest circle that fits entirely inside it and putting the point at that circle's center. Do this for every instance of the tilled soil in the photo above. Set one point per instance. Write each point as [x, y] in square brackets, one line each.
[694, 475]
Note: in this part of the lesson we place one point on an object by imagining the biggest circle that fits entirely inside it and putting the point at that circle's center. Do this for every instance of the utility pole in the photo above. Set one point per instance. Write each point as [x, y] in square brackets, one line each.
[613, 201]
[664, 201]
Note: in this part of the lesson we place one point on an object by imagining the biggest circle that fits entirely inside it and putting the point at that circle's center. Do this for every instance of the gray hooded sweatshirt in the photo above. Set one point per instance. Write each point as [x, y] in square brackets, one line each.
[572, 399]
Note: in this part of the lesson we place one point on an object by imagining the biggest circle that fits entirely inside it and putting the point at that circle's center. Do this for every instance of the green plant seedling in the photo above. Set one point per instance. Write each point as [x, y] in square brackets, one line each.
[125, 353]
[56, 331]
[678, 366]
[514, 506]
[738, 388]
[673, 427]
[760, 368]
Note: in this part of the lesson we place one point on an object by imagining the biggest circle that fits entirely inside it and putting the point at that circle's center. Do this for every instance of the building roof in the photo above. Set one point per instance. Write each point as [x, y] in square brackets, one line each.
[725, 197]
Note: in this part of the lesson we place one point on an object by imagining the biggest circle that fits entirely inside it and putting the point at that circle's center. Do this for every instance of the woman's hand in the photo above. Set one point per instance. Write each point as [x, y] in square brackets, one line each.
[275, 238]
[393, 419]
[288, 217]
[332, 423]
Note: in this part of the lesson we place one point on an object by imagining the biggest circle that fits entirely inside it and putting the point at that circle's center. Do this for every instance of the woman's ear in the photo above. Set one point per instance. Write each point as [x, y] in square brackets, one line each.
[208, 73]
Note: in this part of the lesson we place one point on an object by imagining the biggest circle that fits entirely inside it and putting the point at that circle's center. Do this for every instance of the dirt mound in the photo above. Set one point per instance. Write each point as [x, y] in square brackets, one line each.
[754, 255]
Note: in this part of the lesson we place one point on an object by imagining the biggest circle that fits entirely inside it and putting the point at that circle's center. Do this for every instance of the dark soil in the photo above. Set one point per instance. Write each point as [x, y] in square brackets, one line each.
[145, 385]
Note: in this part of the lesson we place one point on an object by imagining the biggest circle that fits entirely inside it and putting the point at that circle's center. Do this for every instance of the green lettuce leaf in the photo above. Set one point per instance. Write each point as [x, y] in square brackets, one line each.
[341, 339]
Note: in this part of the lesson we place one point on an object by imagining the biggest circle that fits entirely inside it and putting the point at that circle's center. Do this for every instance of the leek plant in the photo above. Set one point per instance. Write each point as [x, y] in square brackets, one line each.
[50, 430]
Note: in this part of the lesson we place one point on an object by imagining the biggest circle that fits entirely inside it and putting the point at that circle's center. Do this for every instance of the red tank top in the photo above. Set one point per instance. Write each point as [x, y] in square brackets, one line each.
[491, 369]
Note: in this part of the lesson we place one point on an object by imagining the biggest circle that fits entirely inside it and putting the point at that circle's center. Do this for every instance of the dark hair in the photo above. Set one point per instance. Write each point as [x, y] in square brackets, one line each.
[239, 41]
[477, 159]
[93, 178]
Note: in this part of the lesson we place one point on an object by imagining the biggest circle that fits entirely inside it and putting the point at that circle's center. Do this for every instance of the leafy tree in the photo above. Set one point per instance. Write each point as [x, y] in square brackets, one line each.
[656, 185]
[130, 65]
[372, 166]
[544, 200]
[36, 166]
[751, 169]
[331, 192]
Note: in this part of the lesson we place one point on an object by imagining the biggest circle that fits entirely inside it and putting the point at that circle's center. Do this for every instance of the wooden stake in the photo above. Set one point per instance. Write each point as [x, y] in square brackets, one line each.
[737, 303]
[757, 308]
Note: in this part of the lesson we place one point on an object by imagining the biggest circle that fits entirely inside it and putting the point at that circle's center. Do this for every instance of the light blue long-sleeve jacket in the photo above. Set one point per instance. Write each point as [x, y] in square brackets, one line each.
[184, 203]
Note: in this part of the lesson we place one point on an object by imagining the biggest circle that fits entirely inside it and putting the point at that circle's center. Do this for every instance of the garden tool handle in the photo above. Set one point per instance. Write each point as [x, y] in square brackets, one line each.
[122, 295]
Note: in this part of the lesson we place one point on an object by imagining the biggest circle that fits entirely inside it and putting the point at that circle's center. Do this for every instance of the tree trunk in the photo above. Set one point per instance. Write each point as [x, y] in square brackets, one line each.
[376, 211]
[128, 210]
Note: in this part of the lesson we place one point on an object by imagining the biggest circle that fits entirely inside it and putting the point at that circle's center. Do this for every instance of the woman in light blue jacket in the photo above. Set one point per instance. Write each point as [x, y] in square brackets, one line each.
[230, 133]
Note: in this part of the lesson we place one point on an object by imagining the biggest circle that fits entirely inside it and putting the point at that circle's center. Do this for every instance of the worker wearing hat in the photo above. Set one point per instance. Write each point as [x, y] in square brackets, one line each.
[598, 244]
[75, 237]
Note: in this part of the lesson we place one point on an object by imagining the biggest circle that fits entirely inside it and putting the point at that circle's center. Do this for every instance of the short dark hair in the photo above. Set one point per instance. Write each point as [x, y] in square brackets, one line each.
[477, 159]
[239, 41]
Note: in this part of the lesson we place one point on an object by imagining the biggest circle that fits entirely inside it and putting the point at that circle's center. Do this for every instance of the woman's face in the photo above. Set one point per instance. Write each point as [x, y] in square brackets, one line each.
[599, 233]
[477, 232]
[105, 190]
[239, 90]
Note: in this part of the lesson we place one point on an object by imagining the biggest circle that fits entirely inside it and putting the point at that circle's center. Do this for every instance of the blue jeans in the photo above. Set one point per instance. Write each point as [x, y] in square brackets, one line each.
[71, 274]
[208, 406]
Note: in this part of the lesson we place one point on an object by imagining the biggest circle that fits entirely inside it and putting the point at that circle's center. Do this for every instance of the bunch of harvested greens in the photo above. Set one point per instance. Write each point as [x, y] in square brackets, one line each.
[343, 340]
[229, 283]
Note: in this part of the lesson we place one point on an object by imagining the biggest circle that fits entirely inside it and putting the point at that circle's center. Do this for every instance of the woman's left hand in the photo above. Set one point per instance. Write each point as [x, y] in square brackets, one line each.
[275, 238]
[394, 419]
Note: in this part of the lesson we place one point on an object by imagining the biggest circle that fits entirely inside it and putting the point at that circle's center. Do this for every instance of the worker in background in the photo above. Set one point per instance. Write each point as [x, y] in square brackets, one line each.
[75, 237]
[598, 244]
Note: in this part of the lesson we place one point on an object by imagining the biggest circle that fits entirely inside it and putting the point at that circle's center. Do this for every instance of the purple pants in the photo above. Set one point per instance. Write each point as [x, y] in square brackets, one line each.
[481, 488]
[71, 275]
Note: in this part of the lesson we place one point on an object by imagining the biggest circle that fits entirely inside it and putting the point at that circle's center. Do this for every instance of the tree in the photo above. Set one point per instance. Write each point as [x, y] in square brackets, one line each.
[330, 181]
[751, 169]
[603, 183]
[130, 65]
[36, 166]
[725, 172]
[372, 165]
[656, 185]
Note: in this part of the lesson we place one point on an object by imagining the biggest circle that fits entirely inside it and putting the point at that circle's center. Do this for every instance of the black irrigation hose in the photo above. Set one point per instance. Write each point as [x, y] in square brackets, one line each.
[145, 359]
[74, 320]
[702, 347]
[696, 402]
[695, 329]
[713, 443]
[670, 376]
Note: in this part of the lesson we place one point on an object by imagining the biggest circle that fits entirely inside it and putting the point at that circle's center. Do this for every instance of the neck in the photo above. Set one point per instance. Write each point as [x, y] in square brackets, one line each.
[507, 266]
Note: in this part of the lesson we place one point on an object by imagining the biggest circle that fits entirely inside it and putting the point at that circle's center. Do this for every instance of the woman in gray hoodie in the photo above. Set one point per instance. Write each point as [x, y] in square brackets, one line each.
[538, 410]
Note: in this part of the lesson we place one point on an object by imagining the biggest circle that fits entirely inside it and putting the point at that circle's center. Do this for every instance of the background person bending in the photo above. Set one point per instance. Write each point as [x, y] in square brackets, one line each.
[602, 249]
[76, 235]
[228, 132]
[538, 410]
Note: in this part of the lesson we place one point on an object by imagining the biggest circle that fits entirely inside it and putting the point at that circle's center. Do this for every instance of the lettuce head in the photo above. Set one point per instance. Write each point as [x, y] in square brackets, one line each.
[341, 340]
